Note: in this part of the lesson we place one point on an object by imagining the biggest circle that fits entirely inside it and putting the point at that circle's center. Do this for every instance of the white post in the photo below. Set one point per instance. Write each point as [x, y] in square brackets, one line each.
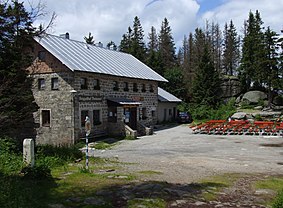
[28, 152]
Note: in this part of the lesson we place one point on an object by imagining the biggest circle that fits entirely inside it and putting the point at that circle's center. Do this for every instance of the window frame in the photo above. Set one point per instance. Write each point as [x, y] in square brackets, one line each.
[53, 86]
[83, 82]
[135, 87]
[143, 88]
[41, 55]
[126, 86]
[45, 117]
[96, 122]
[151, 88]
[116, 86]
[112, 114]
[97, 85]
[41, 86]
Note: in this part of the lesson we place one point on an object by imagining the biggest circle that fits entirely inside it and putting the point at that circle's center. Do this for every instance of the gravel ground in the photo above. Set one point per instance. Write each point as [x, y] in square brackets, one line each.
[184, 157]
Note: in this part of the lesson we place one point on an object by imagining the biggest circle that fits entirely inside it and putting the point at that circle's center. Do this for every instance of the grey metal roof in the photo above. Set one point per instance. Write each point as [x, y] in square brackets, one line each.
[164, 96]
[79, 56]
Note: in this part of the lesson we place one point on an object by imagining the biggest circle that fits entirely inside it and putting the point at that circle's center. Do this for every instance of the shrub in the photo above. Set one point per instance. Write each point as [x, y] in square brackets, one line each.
[64, 153]
[202, 112]
[11, 161]
[278, 203]
[39, 171]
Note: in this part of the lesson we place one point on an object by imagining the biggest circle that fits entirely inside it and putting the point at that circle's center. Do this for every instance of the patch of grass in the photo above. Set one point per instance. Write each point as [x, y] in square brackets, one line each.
[103, 145]
[150, 172]
[278, 202]
[149, 203]
[275, 184]
[215, 184]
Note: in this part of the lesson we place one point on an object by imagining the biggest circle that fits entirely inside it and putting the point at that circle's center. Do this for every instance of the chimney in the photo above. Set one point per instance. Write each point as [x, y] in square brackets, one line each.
[99, 44]
[66, 35]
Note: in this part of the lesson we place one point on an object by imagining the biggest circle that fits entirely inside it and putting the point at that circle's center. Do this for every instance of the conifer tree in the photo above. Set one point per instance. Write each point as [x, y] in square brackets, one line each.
[89, 39]
[152, 51]
[252, 53]
[133, 41]
[166, 46]
[16, 98]
[207, 83]
[231, 52]
[137, 47]
[125, 44]
[270, 72]
[111, 45]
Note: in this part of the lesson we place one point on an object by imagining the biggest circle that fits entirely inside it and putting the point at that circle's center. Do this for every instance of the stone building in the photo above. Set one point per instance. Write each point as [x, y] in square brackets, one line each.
[167, 106]
[73, 80]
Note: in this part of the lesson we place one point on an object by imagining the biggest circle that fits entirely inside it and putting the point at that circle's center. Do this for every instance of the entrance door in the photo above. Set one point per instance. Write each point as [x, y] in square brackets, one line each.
[133, 118]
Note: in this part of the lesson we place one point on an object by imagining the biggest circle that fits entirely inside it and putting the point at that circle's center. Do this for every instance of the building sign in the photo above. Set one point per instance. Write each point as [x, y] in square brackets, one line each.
[90, 99]
[138, 98]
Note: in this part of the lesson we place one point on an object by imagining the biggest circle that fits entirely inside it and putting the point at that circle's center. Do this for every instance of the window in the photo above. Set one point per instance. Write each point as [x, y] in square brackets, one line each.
[144, 113]
[84, 83]
[170, 112]
[135, 87]
[116, 86]
[96, 117]
[143, 88]
[126, 86]
[96, 84]
[112, 114]
[41, 84]
[152, 113]
[45, 118]
[41, 55]
[84, 113]
[151, 88]
[54, 83]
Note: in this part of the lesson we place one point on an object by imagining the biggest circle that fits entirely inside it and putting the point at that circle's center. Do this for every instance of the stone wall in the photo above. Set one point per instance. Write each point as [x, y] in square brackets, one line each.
[99, 97]
[66, 103]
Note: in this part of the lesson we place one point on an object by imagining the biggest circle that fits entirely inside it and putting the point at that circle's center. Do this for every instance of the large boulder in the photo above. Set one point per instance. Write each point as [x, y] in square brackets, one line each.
[253, 97]
[239, 116]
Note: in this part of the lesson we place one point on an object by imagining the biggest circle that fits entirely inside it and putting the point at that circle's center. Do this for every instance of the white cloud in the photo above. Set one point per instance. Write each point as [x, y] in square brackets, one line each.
[109, 19]
[238, 11]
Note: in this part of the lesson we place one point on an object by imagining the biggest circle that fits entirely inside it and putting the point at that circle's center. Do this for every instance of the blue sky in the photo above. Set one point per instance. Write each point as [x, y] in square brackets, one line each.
[109, 19]
[207, 5]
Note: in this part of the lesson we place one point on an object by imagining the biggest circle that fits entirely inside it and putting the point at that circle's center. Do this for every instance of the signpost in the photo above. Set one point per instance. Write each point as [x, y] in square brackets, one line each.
[87, 130]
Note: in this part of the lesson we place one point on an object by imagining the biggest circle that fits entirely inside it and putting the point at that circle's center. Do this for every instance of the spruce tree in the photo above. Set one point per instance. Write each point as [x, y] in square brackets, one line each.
[270, 72]
[125, 44]
[166, 46]
[89, 39]
[207, 83]
[132, 42]
[252, 53]
[152, 51]
[16, 98]
[231, 52]
[111, 45]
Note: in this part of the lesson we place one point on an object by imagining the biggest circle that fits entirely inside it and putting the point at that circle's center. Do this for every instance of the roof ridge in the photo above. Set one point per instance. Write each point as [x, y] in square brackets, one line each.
[79, 41]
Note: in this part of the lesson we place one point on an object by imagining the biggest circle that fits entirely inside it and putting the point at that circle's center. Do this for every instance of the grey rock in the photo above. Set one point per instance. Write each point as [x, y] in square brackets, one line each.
[56, 206]
[258, 107]
[94, 201]
[239, 115]
[254, 97]
[199, 203]
[264, 192]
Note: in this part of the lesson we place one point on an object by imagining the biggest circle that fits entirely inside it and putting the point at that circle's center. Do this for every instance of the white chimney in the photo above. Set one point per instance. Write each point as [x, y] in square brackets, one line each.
[66, 35]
